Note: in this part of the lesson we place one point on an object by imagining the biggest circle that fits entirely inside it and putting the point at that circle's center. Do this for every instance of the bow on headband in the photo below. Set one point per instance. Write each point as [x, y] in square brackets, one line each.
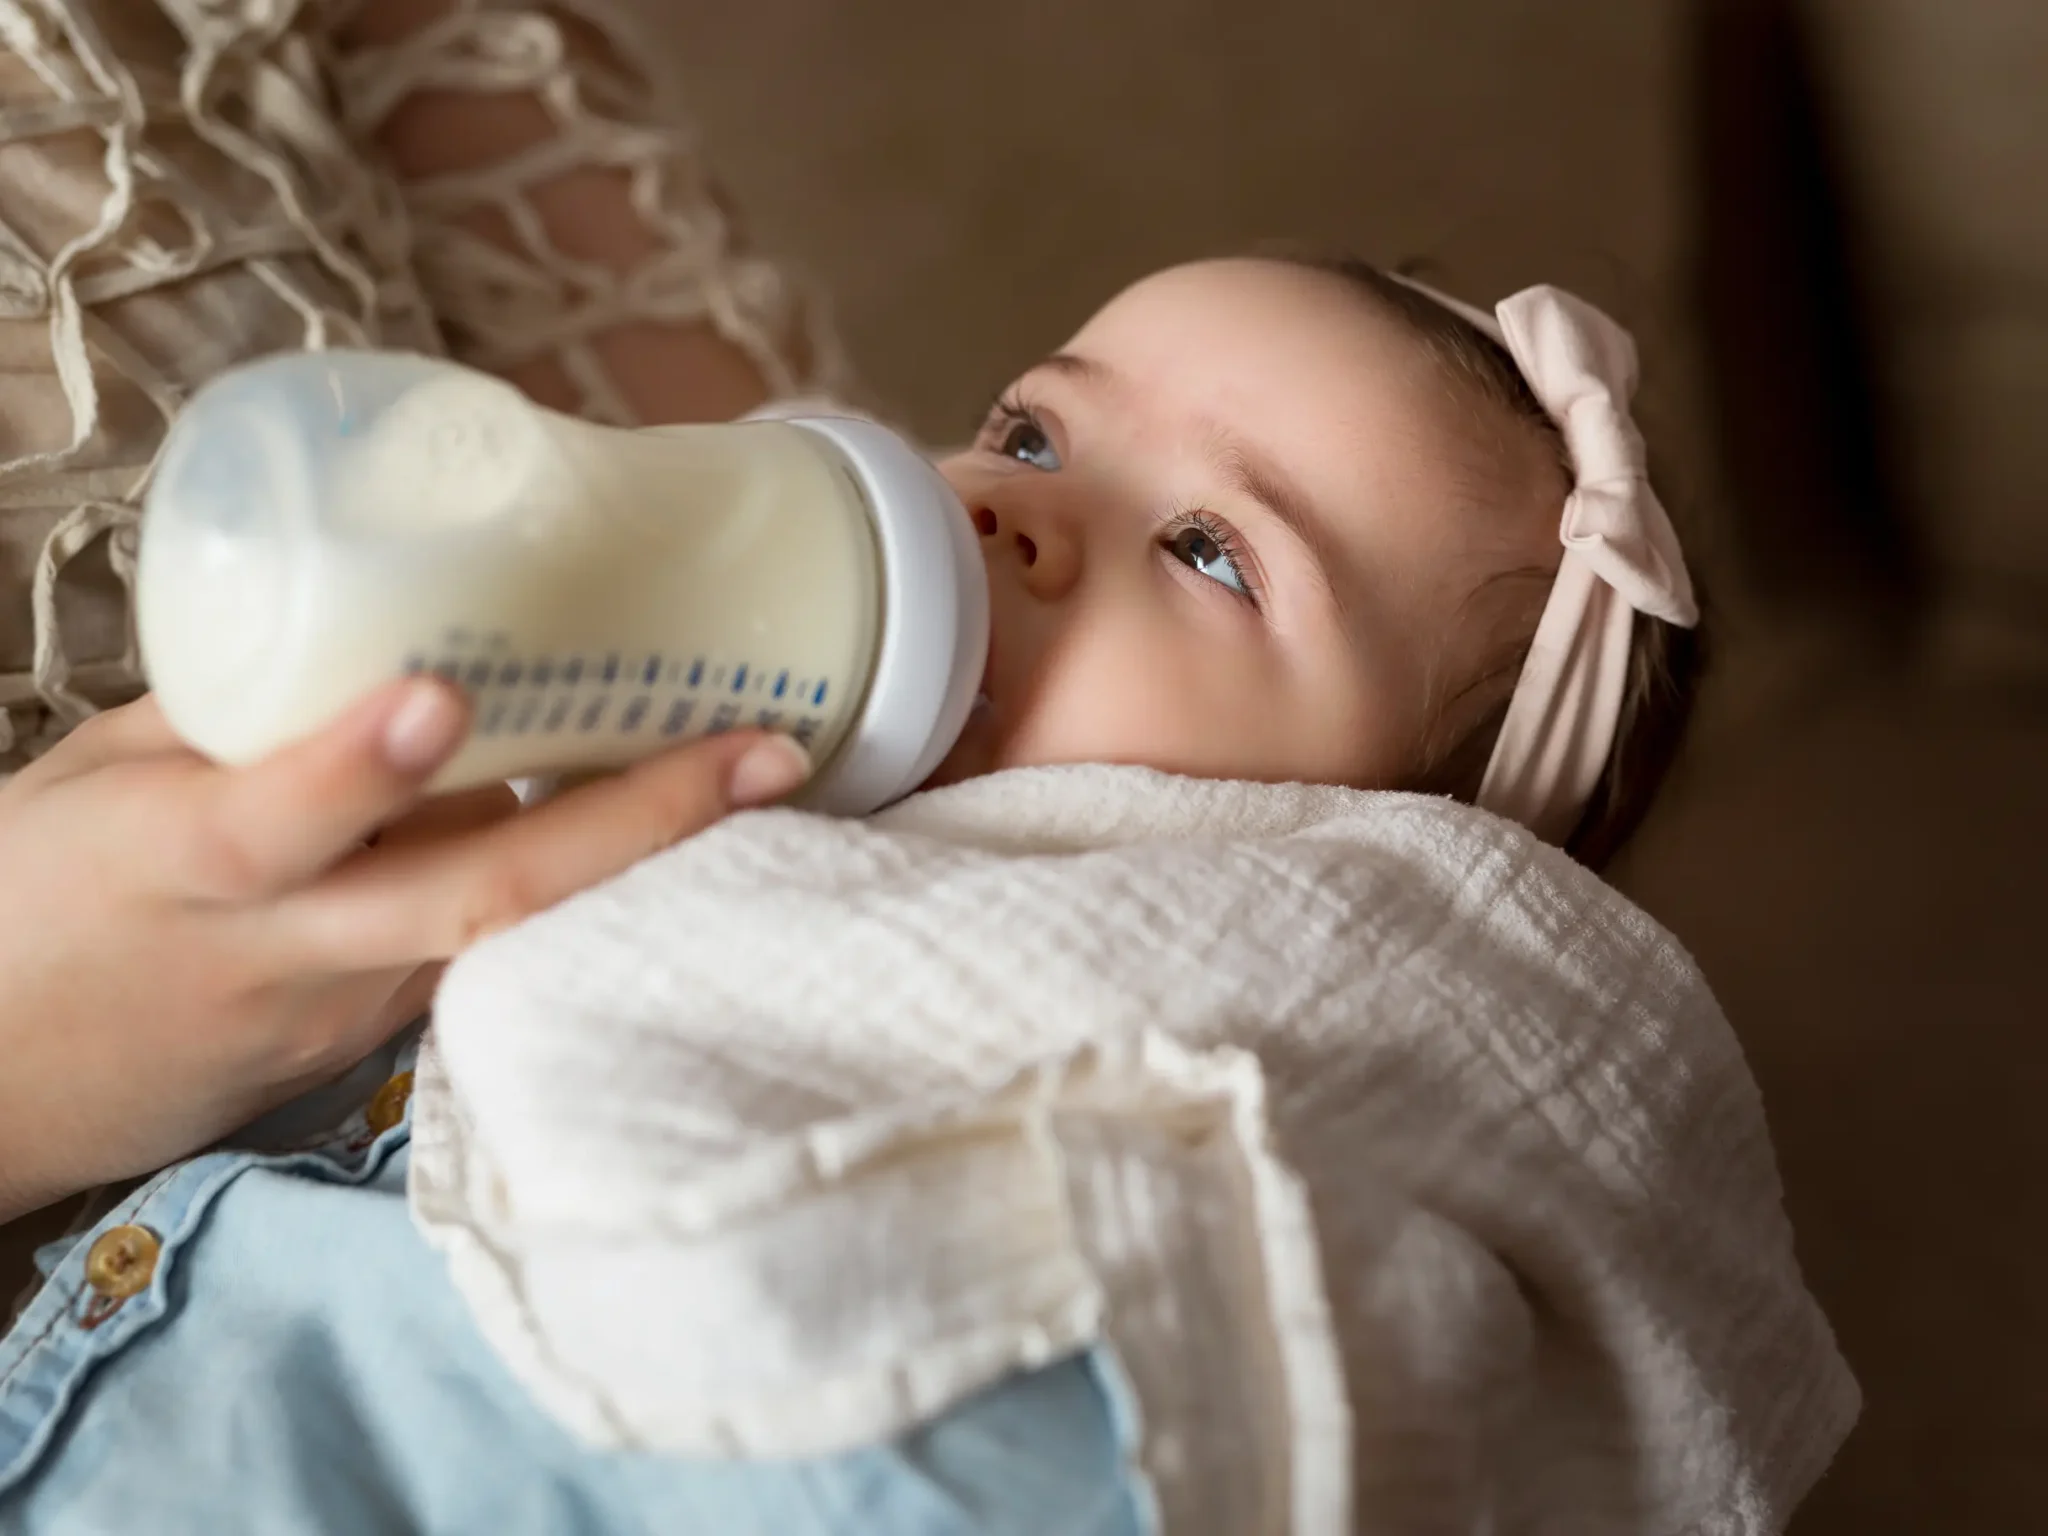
[1621, 558]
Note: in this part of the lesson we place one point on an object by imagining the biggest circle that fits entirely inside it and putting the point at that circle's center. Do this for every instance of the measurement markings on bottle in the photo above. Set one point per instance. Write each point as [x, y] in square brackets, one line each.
[518, 695]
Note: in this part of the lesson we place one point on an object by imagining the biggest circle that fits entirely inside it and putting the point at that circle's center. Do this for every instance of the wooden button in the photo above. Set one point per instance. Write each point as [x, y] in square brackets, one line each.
[121, 1261]
[387, 1105]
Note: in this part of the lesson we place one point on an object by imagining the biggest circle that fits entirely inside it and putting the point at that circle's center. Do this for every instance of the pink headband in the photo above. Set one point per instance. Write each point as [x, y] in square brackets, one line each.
[1621, 558]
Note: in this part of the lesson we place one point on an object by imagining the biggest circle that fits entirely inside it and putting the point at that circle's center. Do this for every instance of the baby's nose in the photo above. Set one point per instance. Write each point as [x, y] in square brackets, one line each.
[1048, 562]
[989, 526]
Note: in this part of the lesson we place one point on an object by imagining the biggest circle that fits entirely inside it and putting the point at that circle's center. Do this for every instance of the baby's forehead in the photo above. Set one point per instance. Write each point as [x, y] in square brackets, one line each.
[1309, 367]
[1236, 314]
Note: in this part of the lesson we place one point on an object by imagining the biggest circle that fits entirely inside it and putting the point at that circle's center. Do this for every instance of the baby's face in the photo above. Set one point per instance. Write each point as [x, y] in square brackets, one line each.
[1232, 528]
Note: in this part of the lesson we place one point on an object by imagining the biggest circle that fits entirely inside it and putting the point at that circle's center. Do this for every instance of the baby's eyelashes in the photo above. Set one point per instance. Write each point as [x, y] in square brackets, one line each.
[1212, 549]
[1013, 431]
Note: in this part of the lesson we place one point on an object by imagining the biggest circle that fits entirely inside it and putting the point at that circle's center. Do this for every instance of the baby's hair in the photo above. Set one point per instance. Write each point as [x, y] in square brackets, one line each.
[1666, 662]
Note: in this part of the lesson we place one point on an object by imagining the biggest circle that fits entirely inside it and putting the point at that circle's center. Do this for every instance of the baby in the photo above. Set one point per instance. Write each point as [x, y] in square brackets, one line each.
[1260, 520]
[1278, 521]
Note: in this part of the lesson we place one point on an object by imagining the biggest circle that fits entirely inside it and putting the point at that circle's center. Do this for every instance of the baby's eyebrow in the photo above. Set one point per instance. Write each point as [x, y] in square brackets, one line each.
[1086, 370]
[1248, 473]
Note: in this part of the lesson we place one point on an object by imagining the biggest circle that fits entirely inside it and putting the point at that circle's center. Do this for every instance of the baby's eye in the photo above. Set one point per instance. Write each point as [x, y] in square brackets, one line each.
[1201, 545]
[1020, 437]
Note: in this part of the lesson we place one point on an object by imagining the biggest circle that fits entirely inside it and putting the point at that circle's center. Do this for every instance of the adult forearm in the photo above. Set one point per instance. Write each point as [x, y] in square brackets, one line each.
[663, 370]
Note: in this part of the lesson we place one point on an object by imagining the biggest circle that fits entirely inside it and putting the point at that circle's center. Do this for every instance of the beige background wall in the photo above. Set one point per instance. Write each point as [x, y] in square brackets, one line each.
[973, 179]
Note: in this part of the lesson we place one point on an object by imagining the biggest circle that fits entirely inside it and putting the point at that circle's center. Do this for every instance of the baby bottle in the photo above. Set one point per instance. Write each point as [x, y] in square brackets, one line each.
[319, 523]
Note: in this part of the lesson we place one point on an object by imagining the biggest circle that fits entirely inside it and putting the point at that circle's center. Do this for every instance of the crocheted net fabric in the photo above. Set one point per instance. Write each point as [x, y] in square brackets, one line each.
[187, 184]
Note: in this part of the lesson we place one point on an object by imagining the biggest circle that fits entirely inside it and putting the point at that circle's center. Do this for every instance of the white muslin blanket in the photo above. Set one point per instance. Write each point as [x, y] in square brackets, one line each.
[1412, 1176]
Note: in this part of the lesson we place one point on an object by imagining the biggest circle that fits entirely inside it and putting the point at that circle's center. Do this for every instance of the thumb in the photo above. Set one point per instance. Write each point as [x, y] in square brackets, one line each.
[434, 900]
[267, 828]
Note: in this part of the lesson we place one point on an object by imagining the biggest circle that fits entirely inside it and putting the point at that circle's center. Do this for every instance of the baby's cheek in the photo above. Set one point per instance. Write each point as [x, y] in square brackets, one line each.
[1175, 715]
[1361, 728]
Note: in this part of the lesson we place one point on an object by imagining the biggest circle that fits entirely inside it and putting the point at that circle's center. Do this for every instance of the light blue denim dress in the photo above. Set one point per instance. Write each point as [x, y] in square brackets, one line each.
[258, 1341]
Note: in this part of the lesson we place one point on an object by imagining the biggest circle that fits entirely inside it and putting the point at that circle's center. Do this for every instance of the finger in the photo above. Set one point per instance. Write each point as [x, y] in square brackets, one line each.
[263, 830]
[432, 901]
[448, 816]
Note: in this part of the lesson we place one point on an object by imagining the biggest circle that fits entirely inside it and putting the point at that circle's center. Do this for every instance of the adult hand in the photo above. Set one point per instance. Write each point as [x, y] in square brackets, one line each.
[184, 945]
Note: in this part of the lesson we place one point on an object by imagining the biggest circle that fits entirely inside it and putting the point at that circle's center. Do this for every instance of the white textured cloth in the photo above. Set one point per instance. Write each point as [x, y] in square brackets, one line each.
[1412, 1175]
